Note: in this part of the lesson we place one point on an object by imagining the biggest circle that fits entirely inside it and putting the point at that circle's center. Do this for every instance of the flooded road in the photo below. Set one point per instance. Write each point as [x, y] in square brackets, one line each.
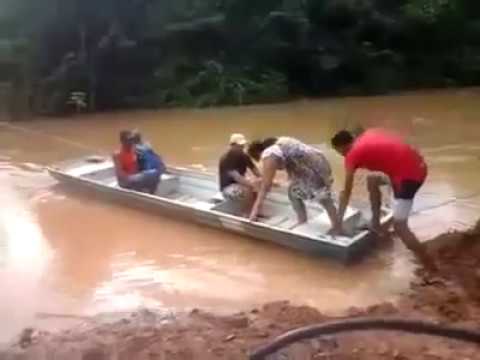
[65, 252]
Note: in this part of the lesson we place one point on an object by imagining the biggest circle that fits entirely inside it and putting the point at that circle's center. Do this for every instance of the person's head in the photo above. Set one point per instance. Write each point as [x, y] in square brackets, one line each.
[136, 137]
[126, 139]
[256, 148]
[238, 141]
[342, 142]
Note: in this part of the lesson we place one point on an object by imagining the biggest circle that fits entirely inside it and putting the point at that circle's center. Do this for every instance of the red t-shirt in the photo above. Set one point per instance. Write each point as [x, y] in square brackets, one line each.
[376, 150]
[128, 161]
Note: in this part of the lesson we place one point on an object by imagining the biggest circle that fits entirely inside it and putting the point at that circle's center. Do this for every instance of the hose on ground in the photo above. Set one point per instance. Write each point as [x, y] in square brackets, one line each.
[347, 325]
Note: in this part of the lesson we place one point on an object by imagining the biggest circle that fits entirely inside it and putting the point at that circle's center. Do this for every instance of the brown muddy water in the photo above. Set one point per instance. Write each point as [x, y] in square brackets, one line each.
[65, 252]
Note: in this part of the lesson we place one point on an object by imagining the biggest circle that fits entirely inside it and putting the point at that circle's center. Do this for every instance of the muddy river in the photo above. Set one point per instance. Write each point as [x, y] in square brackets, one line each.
[63, 252]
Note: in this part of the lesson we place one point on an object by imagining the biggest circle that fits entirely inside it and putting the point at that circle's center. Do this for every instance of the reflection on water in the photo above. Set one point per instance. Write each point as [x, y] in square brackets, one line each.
[24, 258]
[67, 252]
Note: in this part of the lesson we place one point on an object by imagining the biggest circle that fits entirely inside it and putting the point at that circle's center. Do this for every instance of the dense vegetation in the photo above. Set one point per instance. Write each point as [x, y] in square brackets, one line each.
[153, 53]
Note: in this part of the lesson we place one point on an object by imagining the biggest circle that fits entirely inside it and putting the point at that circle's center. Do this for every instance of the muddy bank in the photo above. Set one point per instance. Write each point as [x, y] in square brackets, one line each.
[451, 298]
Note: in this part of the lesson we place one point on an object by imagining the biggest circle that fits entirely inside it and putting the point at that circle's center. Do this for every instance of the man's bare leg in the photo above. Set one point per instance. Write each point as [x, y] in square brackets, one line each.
[301, 211]
[332, 214]
[298, 206]
[373, 186]
[411, 242]
[247, 203]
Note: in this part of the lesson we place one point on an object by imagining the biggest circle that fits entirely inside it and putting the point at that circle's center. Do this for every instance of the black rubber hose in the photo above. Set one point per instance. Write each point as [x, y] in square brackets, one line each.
[347, 325]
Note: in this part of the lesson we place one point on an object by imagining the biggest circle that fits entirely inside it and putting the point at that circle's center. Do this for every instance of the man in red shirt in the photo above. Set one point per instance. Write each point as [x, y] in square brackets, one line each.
[379, 151]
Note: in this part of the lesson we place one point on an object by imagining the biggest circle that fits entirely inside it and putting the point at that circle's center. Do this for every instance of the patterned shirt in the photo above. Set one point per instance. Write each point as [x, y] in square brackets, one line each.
[305, 165]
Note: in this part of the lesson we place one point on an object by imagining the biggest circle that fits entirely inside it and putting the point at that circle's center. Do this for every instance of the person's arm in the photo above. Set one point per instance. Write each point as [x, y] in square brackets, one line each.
[118, 167]
[346, 194]
[242, 180]
[268, 174]
[255, 171]
[253, 168]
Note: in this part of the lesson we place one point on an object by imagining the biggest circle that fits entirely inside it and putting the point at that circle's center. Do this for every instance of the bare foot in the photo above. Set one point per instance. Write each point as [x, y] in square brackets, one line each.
[337, 232]
[378, 231]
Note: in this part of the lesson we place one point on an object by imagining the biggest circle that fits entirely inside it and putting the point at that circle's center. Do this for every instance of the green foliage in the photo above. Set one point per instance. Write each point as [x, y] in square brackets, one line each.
[241, 12]
[214, 85]
[430, 11]
[263, 49]
[337, 14]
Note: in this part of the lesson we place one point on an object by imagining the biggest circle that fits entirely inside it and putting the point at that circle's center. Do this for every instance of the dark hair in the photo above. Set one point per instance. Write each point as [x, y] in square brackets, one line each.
[256, 147]
[342, 138]
[125, 136]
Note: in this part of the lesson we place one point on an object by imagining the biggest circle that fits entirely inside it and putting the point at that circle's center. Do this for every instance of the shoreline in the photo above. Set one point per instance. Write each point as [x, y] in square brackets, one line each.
[452, 298]
[293, 100]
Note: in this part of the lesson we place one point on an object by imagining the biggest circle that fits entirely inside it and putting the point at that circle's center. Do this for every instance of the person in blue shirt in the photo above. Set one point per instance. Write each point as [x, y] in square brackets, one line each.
[149, 162]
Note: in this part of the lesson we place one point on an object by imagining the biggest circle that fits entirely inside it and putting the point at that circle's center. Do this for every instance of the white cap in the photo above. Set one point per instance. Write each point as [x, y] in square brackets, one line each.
[237, 139]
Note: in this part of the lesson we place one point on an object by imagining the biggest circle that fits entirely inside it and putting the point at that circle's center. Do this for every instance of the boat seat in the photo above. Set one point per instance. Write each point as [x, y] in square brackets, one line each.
[166, 177]
[168, 184]
[217, 198]
[202, 205]
[194, 202]
[112, 183]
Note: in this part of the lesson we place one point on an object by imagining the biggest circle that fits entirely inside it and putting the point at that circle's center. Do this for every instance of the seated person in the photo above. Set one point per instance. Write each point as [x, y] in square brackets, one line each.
[127, 170]
[233, 166]
[147, 158]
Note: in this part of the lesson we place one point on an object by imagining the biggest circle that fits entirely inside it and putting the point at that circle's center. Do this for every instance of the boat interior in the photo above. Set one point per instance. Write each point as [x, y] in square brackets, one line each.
[200, 191]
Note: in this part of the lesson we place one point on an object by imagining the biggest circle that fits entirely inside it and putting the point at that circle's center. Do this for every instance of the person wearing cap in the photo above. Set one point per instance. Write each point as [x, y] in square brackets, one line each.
[232, 169]
[308, 170]
[127, 170]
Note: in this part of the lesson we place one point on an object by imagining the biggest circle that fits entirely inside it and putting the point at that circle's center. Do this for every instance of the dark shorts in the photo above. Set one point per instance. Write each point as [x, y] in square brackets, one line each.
[407, 189]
